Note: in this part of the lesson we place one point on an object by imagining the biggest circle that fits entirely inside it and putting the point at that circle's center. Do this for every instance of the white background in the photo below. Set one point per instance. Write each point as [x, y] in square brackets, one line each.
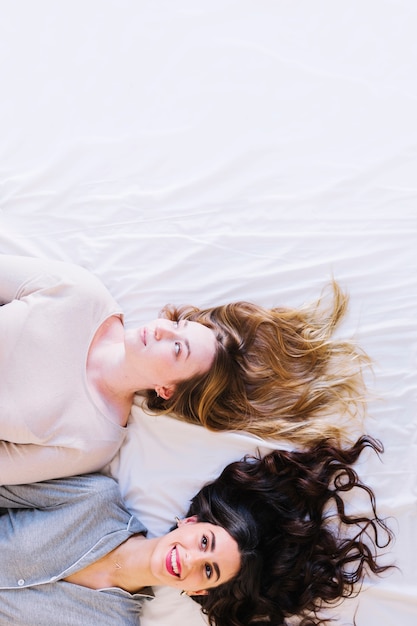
[206, 151]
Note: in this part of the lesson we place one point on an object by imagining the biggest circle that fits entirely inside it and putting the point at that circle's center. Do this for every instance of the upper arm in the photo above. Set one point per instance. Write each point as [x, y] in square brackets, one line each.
[29, 463]
[61, 492]
[22, 275]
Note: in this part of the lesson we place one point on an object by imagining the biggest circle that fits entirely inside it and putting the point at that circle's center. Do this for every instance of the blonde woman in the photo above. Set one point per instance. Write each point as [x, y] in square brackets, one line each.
[69, 370]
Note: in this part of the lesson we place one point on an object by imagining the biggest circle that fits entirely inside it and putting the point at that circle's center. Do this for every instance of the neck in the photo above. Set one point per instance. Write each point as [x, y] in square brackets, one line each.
[107, 375]
[130, 564]
[125, 567]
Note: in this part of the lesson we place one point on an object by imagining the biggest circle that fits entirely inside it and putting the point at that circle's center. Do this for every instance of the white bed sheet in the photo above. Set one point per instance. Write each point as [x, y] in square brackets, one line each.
[203, 152]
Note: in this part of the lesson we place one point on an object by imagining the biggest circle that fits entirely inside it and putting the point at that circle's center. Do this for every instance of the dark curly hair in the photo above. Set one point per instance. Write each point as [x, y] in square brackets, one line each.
[300, 548]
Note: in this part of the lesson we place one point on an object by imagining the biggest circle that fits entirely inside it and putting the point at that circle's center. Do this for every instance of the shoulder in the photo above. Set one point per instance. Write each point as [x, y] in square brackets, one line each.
[61, 279]
[97, 486]
[62, 493]
[30, 274]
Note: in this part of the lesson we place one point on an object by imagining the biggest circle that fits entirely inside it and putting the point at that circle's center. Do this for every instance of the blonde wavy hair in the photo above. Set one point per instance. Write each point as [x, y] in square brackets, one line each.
[277, 373]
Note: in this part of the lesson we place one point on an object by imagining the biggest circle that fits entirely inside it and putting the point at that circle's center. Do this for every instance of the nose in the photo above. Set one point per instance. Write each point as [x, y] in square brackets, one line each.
[166, 331]
[195, 558]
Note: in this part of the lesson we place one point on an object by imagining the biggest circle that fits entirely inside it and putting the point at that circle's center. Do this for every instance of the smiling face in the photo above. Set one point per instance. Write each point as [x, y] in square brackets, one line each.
[166, 352]
[195, 557]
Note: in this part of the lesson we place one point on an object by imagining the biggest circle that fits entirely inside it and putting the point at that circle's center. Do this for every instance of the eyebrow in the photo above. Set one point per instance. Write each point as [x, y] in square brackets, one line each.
[213, 547]
[187, 343]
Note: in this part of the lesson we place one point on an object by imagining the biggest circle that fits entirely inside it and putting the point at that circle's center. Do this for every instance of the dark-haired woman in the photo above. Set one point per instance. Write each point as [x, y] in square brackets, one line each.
[257, 545]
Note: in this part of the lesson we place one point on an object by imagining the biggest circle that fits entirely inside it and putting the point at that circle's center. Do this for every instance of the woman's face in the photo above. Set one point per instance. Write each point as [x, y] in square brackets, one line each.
[195, 557]
[166, 352]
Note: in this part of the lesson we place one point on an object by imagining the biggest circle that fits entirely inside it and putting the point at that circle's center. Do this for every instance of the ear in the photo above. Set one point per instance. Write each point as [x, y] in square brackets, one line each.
[200, 592]
[165, 392]
[187, 520]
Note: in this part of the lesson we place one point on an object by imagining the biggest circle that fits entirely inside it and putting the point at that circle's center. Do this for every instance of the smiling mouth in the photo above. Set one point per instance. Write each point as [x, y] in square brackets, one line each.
[173, 562]
[143, 336]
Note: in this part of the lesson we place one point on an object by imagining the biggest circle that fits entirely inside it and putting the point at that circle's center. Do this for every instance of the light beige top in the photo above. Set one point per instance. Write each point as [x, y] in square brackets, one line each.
[49, 424]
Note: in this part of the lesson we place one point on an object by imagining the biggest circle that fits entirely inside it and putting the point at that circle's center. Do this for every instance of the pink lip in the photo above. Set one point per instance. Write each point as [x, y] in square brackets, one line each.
[168, 562]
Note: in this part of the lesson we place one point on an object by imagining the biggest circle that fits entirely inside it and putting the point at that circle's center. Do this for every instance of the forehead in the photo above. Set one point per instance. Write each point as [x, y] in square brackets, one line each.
[198, 329]
[225, 551]
[202, 342]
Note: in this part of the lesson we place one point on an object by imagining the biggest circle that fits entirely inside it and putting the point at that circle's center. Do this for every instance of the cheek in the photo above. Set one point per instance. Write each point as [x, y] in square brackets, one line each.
[158, 367]
[163, 355]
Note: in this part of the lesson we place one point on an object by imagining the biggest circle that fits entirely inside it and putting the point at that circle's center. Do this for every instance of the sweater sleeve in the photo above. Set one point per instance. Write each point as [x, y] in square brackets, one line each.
[27, 463]
[21, 275]
[63, 492]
